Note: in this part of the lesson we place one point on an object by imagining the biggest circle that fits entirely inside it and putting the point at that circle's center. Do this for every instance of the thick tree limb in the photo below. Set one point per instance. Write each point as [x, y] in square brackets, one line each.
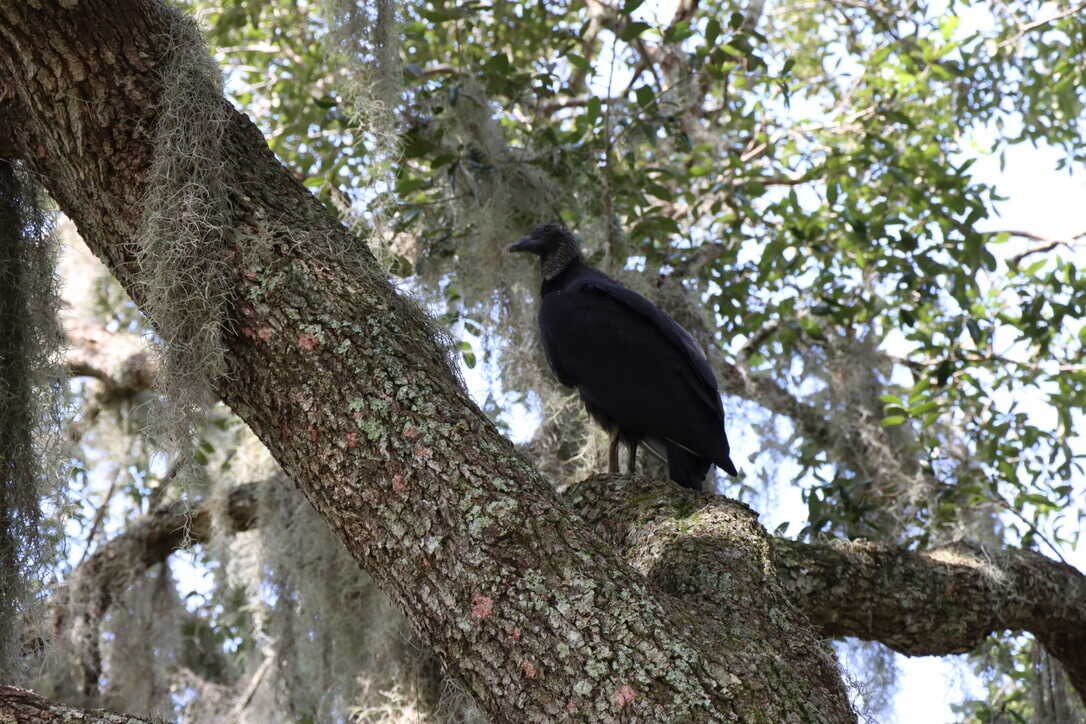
[336, 374]
[22, 705]
[942, 601]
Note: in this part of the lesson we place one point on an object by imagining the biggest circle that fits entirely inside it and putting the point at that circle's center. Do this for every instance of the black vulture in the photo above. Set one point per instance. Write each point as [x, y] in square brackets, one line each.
[639, 374]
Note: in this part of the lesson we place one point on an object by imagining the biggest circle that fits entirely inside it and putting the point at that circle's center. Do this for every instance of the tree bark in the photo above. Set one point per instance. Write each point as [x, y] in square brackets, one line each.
[338, 376]
[22, 706]
[921, 603]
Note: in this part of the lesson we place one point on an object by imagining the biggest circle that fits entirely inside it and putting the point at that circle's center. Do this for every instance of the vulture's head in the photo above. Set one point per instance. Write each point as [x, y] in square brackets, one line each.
[555, 245]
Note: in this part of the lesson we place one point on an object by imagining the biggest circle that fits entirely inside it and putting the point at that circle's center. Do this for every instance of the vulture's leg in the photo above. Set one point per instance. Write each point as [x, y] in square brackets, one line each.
[612, 453]
[631, 460]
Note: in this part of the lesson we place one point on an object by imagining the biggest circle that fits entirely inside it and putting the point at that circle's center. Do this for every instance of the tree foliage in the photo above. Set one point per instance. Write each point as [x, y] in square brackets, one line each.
[804, 170]
[800, 172]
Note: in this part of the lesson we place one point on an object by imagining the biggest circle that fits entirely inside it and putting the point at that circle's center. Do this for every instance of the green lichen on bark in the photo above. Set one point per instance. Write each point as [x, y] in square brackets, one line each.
[712, 553]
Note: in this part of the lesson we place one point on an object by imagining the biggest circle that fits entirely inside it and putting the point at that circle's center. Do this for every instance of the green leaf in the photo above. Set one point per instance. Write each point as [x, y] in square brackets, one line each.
[467, 354]
[407, 185]
[660, 192]
[593, 109]
[712, 32]
[578, 61]
[632, 29]
[975, 331]
[924, 408]
[401, 266]
[892, 420]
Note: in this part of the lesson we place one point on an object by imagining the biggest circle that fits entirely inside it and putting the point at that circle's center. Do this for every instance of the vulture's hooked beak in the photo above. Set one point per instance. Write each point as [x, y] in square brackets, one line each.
[528, 243]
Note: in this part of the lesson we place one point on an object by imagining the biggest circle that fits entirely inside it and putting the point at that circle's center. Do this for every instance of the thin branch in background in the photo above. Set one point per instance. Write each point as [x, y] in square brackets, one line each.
[1001, 501]
[608, 194]
[100, 514]
[1030, 27]
[77, 368]
[758, 340]
[1046, 243]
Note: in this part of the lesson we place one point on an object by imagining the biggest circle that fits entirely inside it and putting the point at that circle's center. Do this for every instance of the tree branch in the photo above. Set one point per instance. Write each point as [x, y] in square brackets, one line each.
[940, 601]
[121, 361]
[936, 602]
[1045, 244]
[23, 705]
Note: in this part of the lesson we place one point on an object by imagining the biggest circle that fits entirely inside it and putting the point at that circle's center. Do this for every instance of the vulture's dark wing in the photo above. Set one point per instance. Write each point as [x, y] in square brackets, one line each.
[672, 331]
[633, 364]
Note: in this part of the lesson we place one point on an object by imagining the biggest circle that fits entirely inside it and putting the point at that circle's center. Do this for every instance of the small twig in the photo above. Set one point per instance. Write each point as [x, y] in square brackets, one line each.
[1036, 531]
[78, 368]
[758, 340]
[1046, 243]
[976, 358]
[100, 514]
[1029, 27]
[608, 193]
[254, 684]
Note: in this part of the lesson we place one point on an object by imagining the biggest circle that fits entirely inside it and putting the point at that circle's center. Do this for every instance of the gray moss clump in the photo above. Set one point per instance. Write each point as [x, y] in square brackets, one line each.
[182, 240]
[364, 38]
[31, 395]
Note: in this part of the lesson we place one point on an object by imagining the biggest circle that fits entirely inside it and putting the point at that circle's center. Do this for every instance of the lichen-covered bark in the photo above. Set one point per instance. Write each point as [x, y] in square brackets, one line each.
[21, 706]
[332, 370]
[940, 601]
[712, 552]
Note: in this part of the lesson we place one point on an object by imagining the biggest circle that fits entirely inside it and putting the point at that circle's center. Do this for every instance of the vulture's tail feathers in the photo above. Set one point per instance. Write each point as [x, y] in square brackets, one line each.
[728, 466]
[686, 468]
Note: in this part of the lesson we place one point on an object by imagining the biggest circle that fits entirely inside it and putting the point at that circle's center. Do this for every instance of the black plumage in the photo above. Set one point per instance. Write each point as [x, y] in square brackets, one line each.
[639, 373]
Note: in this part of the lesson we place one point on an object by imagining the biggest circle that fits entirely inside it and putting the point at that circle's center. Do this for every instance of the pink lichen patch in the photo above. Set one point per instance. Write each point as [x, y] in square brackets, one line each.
[514, 635]
[481, 606]
[410, 432]
[251, 275]
[307, 342]
[265, 333]
[352, 440]
[623, 695]
[571, 707]
[398, 484]
[312, 434]
[423, 452]
[529, 669]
